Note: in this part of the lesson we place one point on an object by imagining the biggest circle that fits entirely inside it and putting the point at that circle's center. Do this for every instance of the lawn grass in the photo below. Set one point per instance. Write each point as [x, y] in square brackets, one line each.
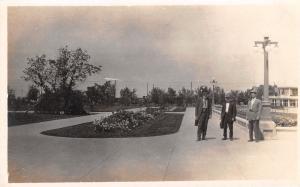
[165, 124]
[15, 118]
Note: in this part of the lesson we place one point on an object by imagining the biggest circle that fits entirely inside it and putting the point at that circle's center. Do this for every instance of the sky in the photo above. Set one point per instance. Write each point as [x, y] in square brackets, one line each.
[164, 46]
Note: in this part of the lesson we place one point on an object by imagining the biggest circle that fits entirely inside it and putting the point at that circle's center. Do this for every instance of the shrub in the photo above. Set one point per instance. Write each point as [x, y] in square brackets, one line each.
[49, 103]
[155, 111]
[76, 103]
[54, 103]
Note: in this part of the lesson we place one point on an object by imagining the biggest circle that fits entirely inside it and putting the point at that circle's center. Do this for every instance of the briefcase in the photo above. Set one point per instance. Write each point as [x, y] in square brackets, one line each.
[196, 122]
[221, 124]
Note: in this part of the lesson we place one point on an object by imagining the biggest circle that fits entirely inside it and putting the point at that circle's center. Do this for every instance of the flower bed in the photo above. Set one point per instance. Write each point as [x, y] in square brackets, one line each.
[284, 121]
[163, 124]
[22, 118]
[125, 121]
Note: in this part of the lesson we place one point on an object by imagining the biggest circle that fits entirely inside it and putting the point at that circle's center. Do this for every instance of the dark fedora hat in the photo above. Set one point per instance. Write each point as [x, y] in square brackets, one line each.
[203, 89]
[253, 90]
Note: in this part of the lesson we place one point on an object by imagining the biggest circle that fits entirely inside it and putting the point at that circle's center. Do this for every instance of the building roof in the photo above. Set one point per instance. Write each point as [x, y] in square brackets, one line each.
[283, 97]
[292, 87]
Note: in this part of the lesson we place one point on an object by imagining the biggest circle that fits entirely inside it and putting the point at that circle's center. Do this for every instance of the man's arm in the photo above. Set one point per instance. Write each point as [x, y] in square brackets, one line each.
[259, 110]
[223, 110]
[248, 107]
[197, 107]
[234, 111]
[210, 107]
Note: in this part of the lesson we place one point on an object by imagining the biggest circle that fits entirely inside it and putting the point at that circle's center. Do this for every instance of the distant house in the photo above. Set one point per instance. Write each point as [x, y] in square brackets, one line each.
[286, 98]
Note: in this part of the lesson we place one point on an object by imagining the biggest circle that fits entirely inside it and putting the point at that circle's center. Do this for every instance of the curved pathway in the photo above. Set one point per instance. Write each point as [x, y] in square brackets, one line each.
[33, 157]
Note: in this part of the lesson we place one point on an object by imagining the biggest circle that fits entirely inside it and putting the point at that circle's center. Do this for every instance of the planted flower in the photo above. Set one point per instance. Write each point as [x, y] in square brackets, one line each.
[284, 121]
[125, 121]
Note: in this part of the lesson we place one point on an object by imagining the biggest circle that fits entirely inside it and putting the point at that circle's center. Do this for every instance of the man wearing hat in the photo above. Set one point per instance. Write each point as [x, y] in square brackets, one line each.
[228, 115]
[203, 112]
[253, 116]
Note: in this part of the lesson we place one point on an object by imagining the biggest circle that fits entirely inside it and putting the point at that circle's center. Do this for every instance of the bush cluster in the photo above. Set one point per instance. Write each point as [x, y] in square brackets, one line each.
[54, 103]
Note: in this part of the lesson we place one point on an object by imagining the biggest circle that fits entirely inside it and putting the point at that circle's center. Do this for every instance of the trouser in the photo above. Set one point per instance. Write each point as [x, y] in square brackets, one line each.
[254, 126]
[202, 128]
[228, 123]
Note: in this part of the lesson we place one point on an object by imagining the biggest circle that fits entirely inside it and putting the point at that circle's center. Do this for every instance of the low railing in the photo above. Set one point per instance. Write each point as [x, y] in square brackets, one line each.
[241, 121]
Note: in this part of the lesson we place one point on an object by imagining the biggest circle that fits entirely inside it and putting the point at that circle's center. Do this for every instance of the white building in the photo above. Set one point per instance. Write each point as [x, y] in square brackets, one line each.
[287, 99]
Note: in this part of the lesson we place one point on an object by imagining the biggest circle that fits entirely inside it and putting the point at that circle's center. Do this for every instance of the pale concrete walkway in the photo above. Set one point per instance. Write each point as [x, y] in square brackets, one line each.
[33, 157]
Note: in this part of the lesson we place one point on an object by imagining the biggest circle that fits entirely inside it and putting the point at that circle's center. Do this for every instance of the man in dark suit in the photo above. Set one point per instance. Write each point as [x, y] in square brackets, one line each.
[203, 112]
[253, 116]
[228, 115]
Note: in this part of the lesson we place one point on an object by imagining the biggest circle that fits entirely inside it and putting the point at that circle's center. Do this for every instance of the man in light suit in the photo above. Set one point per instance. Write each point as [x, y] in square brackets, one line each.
[228, 115]
[203, 112]
[253, 116]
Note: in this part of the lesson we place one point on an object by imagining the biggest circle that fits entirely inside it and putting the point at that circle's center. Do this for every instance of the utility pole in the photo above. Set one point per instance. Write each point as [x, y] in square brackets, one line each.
[115, 88]
[213, 82]
[266, 120]
[147, 90]
[191, 86]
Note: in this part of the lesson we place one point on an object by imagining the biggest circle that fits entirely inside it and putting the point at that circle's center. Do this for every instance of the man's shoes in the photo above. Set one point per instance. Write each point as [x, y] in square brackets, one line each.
[198, 139]
[224, 138]
[250, 140]
[203, 138]
[231, 139]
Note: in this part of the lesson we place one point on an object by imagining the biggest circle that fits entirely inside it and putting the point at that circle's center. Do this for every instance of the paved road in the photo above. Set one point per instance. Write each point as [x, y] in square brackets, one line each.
[33, 157]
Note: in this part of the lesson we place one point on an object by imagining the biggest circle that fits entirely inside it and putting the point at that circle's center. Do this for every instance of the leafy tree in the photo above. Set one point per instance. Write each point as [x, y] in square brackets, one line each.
[76, 103]
[38, 71]
[93, 94]
[71, 68]
[11, 99]
[171, 95]
[101, 94]
[185, 96]
[32, 94]
[157, 96]
[60, 76]
[108, 93]
[241, 98]
[260, 91]
[127, 96]
[221, 96]
[234, 95]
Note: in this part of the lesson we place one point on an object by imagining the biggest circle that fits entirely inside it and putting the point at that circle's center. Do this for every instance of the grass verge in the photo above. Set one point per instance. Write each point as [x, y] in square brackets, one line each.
[165, 124]
[179, 109]
[15, 119]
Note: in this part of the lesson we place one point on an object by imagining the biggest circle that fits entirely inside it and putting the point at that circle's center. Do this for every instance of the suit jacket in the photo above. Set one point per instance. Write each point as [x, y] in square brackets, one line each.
[254, 111]
[231, 114]
[199, 108]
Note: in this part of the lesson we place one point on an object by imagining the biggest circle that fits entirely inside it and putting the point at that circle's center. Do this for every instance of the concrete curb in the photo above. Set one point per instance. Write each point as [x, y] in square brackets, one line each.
[243, 122]
[175, 112]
